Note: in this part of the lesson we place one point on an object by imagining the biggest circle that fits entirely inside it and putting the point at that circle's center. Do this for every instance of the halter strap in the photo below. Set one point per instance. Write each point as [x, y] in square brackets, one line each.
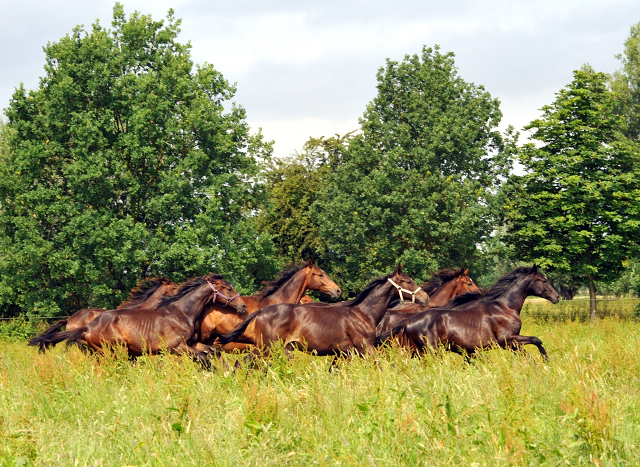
[402, 289]
[216, 293]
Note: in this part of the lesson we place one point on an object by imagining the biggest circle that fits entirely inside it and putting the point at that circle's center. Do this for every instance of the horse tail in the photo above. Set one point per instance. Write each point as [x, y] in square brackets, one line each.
[46, 340]
[41, 340]
[74, 337]
[239, 329]
[394, 331]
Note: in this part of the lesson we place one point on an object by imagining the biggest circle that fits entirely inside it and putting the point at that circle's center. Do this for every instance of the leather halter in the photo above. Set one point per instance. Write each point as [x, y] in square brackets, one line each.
[402, 289]
[216, 293]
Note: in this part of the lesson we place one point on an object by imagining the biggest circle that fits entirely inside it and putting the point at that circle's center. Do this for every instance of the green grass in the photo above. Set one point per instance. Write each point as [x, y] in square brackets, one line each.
[583, 408]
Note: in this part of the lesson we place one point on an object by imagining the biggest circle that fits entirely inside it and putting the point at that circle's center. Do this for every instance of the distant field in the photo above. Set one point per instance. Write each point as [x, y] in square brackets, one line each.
[578, 309]
[583, 408]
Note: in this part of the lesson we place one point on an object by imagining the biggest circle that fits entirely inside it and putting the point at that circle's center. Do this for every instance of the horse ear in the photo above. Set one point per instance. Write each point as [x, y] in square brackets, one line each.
[535, 268]
[466, 272]
[399, 268]
[310, 263]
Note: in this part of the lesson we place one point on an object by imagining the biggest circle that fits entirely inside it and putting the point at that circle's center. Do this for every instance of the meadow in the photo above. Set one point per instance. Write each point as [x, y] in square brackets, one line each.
[581, 408]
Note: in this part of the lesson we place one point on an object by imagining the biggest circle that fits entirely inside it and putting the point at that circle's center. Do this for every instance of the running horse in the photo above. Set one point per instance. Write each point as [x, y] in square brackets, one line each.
[172, 326]
[327, 330]
[473, 322]
[146, 294]
[441, 288]
[289, 287]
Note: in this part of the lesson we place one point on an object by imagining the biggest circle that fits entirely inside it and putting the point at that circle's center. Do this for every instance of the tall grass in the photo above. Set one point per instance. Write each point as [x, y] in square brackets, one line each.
[582, 408]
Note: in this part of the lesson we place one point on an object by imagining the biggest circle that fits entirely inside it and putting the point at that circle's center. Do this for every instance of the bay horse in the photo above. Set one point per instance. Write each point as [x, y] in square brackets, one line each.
[146, 294]
[472, 322]
[441, 288]
[172, 326]
[289, 287]
[327, 330]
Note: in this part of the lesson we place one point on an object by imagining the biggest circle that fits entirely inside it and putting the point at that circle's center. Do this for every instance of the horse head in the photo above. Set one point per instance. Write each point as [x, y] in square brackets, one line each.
[407, 288]
[224, 293]
[318, 280]
[541, 287]
[465, 284]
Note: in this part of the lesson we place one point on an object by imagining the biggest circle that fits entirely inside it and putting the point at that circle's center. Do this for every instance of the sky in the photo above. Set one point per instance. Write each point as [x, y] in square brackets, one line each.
[309, 68]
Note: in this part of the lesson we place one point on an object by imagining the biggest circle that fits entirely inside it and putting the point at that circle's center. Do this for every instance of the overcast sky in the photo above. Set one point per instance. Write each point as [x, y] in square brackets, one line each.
[308, 68]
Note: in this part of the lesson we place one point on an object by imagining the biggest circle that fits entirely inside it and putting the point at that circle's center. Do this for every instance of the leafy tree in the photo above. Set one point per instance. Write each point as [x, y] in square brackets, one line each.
[576, 210]
[293, 185]
[4, 142]
[626, 84]
[125, 164]
[417, 184]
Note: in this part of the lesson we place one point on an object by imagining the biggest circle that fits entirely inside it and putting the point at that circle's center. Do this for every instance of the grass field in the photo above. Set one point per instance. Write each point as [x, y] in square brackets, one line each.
[582, 408]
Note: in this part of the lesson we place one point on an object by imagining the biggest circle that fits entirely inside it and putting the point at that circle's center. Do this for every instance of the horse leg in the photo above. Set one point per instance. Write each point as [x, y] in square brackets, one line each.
[184, 349]
[523, 340]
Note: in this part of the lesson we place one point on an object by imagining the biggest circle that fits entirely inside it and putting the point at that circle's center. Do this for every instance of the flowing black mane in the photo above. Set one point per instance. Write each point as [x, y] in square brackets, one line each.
[145, 289]
[440, 278]
[187, 288]
[495, 291]
[367, 290]
[271, 287]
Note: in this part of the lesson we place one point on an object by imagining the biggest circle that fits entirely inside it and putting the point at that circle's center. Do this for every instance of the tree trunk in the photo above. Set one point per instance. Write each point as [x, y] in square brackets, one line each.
[592, 299]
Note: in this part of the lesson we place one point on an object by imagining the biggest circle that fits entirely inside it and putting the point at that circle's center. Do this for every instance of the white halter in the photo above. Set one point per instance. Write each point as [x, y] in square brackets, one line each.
[402, 289]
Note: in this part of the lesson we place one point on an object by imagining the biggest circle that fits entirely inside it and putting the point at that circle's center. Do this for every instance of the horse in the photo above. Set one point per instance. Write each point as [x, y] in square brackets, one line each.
[472, 322]
[172, 326]
[306, 299]
[441, 288]
[327, 330]
[146, 294]
[289, 287]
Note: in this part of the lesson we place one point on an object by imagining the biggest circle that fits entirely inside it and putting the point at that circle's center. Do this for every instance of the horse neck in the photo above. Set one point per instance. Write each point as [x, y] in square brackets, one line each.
[516, 294]
[192, 304]
[290, 292]
[155, 297]
[376, 303]
[443, 294]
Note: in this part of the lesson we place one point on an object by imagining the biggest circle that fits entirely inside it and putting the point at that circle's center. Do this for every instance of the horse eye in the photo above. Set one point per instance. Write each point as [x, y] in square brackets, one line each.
[320, 275]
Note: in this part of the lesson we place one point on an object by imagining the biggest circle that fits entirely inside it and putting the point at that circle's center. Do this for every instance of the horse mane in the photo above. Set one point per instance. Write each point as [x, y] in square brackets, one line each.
[143, 291]
[186, 288]
[367, 290]
[494, 292]
[440, 278]
[282, 277]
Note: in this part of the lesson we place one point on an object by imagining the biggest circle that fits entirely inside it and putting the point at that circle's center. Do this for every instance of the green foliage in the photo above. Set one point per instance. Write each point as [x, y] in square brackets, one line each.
[626, 84]
[63, 407]
[577, 208]
[125, 164]
[416, 186]
[4, 142]
[293, 185]
[20, 329]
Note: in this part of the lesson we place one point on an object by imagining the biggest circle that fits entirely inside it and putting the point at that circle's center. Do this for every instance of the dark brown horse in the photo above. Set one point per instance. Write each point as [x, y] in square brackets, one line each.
[327, 330]
[472, 322]
[289, 287]
[441, 288]
[146, 294]
[172, 326]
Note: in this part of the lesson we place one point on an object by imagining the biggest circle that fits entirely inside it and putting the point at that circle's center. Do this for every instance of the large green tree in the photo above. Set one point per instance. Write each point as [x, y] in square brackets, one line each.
[293, 185]
[125, 164]
[625, 83]
[577, 208]
[416, 185]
